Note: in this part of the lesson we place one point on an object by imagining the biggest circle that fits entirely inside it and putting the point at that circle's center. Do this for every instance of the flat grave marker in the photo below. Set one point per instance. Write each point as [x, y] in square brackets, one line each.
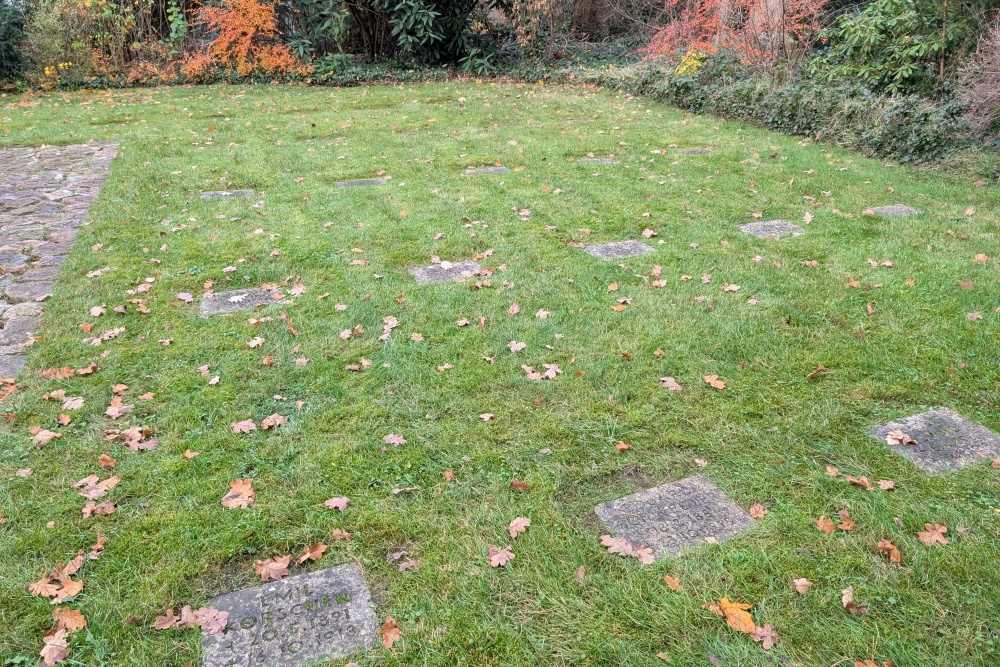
[618, 249]
[221, 303]
[672, 517]
[895, 211]
[945, 440]
[771, 229]
[445, 271]
[226, 194]
[484, 171]
[305, 618]
[361, 183]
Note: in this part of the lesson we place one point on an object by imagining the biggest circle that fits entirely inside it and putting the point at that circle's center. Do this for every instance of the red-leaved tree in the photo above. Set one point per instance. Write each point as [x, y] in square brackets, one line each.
[246, 39]
[759, 31]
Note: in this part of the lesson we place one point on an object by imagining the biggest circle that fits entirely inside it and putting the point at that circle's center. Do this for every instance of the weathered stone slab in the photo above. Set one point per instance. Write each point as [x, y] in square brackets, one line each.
[445, 271]
[771, 229]
[305, 618]
[694, 151]
[17, 329]
[27, 291]
[618, 249]
[226, 194]
[484, 171]
[27, 309]
[220, 303]
[10, 366]
[12, 260]
[598, 160]
[360, 183]
[40, 274]
[672, 517]
[895, 211]
[946, 441]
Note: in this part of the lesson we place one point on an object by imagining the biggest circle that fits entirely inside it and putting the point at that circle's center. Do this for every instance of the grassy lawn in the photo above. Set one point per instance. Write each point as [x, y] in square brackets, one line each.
[766, 438]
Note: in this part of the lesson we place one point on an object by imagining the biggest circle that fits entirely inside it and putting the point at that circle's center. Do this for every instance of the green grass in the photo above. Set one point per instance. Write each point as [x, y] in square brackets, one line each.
[767, 437]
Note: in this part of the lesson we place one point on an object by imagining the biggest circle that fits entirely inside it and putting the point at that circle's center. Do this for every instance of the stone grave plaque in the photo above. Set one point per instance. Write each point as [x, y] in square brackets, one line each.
[895, 211]
[618, 249]
[771, 229]
[226, 194]
[946, 440]
[220, 303]
[694, 151]
[598, 160]
[672, 517]
[305, 618]
[360, 183]
[482, 171]
[445, 271]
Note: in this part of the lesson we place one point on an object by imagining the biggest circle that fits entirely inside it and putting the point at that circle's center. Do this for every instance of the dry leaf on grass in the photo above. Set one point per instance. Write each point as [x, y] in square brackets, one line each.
[272, 569]
[241, 494]
[887, 548]
[714, 382]
[312, 553]
[55, 648]
[70, 619]
[758, 511]
[518, 526]
[847, 599]
[389, 632]
[932, 535]
[801, 586]
[500, 557]
[244, 426]
[339, 503]
[673, 583]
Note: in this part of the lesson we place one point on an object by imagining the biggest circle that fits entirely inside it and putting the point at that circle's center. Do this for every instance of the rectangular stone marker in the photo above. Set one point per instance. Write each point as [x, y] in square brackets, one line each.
[618, 249]
[672, 517]
[895, 211]
[482, 171]
[226, 194]
[946, 440]
[694, 151]
[445, 271]
[360, 183]
[10, 366]
[771, 229]
[220, 303]
[598, 160]
[308, 617]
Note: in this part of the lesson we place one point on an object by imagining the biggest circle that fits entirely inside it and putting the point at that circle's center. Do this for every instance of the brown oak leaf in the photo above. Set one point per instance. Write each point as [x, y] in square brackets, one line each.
[241, 494]
[500, 557]
[272, 569]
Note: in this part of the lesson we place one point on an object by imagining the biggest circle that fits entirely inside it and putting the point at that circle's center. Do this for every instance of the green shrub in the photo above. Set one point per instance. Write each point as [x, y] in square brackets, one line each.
[899, 46]
[11, 41]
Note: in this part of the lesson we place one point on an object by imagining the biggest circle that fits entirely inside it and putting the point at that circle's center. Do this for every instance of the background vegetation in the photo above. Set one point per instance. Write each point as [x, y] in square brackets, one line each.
[913, 80]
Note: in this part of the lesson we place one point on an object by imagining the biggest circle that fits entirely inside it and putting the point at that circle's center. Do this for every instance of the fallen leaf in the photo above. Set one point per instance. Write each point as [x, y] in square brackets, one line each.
[518, 526]
[801, 586]
[389, 632]
[393, 439]
[766, 635]
[932, 535]
[272, 569]
[500, 557]
[824, 525]
[55, 648]
[671, 384]
[673, 583]
[166, 621]
[241, 494]
[737, 615]
[518, 485]
[339, 503]
[897, 437]
[312, 553]
[714, 382]
[244, 426]
[758, 511]
[70, 619]
[847, 599]
[887, 548]
[847, 523]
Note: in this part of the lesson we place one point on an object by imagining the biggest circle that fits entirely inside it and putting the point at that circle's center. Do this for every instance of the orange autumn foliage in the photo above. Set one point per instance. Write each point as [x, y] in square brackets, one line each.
[245, 40]
[759, 31]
